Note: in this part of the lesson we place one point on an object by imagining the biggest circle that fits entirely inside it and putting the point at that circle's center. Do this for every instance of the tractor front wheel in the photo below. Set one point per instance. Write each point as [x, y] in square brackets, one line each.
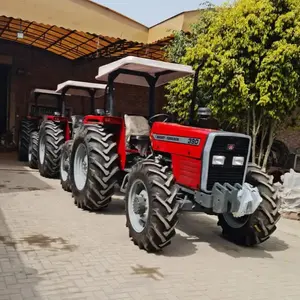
[33, 150]
[94, 167]
[256, 228]
[65, 166]
[151, 206]
[51, 140]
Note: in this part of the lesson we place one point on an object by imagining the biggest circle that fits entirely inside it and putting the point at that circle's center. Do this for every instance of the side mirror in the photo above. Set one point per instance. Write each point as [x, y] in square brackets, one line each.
[204, 113]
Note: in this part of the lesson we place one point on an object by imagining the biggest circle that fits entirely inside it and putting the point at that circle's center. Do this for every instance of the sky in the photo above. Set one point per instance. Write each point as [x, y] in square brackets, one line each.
[151, 12]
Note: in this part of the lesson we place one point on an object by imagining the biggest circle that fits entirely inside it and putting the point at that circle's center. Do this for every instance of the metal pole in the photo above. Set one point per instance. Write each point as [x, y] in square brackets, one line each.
[92, 95]
[36, 96]
[151, 103]
[195, 89]
[110, 96]
[194, 95]
[105, 98]
[63, 104]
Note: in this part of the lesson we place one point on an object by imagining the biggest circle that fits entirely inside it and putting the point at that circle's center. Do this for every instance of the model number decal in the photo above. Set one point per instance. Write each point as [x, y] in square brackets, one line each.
[177, 139]
[193, 141]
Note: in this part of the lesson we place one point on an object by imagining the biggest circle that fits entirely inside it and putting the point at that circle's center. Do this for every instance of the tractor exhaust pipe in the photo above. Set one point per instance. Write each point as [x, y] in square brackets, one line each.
[195, 89]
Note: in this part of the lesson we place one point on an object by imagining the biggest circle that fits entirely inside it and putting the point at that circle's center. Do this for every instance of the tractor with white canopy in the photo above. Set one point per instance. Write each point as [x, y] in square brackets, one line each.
[164, 167]
[103, 154]
[29, 125]
[56, 130]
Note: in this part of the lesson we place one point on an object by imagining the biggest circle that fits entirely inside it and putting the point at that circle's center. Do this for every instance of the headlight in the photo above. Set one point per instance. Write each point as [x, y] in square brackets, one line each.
[238, 161]
[218, 160]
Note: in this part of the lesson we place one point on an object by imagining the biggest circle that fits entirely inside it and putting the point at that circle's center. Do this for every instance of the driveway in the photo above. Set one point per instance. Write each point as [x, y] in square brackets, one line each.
[50, 249]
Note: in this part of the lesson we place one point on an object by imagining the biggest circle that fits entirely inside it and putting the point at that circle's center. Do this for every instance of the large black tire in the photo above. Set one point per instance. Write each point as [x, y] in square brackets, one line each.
[102, 170]
[262, 223]
[52, 136]
[65, 166]
[162, 217]
[26, 127]
[33, 150]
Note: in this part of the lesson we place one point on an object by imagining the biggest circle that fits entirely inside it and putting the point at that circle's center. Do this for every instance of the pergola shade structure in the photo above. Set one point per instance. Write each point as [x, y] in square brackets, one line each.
[73, 44]
[70, 44]
[84, 29]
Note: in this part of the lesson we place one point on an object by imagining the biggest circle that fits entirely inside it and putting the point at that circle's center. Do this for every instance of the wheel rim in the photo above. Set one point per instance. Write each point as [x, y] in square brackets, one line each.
[42, 149]
[138, 205]
[80, 167]
[235, 222]
[64, 162]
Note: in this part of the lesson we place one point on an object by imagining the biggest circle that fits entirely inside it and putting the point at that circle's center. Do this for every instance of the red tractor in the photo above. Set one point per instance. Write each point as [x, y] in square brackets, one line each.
[57, 129]
[30, 124]
[107, 146]
[84, 89]
[164, 167]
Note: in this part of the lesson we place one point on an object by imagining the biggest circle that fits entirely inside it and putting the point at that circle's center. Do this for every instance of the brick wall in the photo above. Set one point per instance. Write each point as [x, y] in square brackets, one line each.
[42, 70]
[46, 70]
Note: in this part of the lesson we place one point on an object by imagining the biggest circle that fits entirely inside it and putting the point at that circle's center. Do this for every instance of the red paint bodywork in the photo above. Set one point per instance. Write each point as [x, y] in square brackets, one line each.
[186, 159]
[90, 119]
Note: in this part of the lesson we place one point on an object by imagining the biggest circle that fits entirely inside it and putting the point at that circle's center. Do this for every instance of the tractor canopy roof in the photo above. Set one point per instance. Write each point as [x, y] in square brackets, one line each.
[138, 67]
[45, 92]
[80, 88]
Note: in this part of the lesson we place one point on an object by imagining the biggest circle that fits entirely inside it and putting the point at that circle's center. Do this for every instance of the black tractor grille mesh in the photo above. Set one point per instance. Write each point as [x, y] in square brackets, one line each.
[223, 145]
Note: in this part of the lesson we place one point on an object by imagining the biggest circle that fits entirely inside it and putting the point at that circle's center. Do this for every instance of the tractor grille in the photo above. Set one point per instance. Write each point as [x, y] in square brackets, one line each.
[227, 173]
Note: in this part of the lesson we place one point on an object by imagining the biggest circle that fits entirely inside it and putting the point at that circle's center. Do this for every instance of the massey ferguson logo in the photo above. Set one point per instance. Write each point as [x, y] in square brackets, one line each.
[230, 147]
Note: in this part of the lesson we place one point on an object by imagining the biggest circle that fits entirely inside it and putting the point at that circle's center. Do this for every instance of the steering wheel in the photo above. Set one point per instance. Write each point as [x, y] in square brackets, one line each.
[166, 118]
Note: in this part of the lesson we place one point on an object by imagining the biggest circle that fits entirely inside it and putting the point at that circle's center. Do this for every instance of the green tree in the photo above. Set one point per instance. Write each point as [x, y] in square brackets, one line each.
[251, 76]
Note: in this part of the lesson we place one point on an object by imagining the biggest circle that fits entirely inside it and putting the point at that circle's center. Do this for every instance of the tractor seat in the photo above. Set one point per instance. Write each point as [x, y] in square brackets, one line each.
[137, 128]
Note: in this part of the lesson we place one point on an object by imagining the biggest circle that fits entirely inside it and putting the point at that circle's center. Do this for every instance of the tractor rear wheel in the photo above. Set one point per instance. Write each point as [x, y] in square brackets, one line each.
[51, 141]
[256, 228]
[65, 166]
[94, 167]
[26, 127]
[33, 150]
[151, 206]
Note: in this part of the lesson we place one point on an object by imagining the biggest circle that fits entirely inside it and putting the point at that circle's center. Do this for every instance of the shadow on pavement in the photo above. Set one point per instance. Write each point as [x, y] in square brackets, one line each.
[116, 207]
[17, 280]
[16, 176]
[199, 228]
[193, 229]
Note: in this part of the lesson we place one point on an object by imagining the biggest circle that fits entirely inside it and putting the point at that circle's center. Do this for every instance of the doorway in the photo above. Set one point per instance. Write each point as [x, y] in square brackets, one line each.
[4, 90]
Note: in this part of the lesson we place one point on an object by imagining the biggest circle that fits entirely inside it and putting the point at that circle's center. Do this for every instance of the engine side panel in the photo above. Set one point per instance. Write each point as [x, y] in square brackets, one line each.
[187, 171]
[178, 139]
[185, 144]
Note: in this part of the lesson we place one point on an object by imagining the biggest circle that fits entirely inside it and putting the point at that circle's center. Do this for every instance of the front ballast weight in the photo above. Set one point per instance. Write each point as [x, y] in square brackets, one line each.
[238, 200]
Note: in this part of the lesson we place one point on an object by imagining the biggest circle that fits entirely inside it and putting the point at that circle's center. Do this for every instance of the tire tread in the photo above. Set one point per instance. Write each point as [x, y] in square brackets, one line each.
[164, 210]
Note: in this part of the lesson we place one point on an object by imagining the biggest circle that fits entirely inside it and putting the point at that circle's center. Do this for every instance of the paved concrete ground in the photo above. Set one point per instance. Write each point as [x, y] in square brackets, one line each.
[49, 249]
